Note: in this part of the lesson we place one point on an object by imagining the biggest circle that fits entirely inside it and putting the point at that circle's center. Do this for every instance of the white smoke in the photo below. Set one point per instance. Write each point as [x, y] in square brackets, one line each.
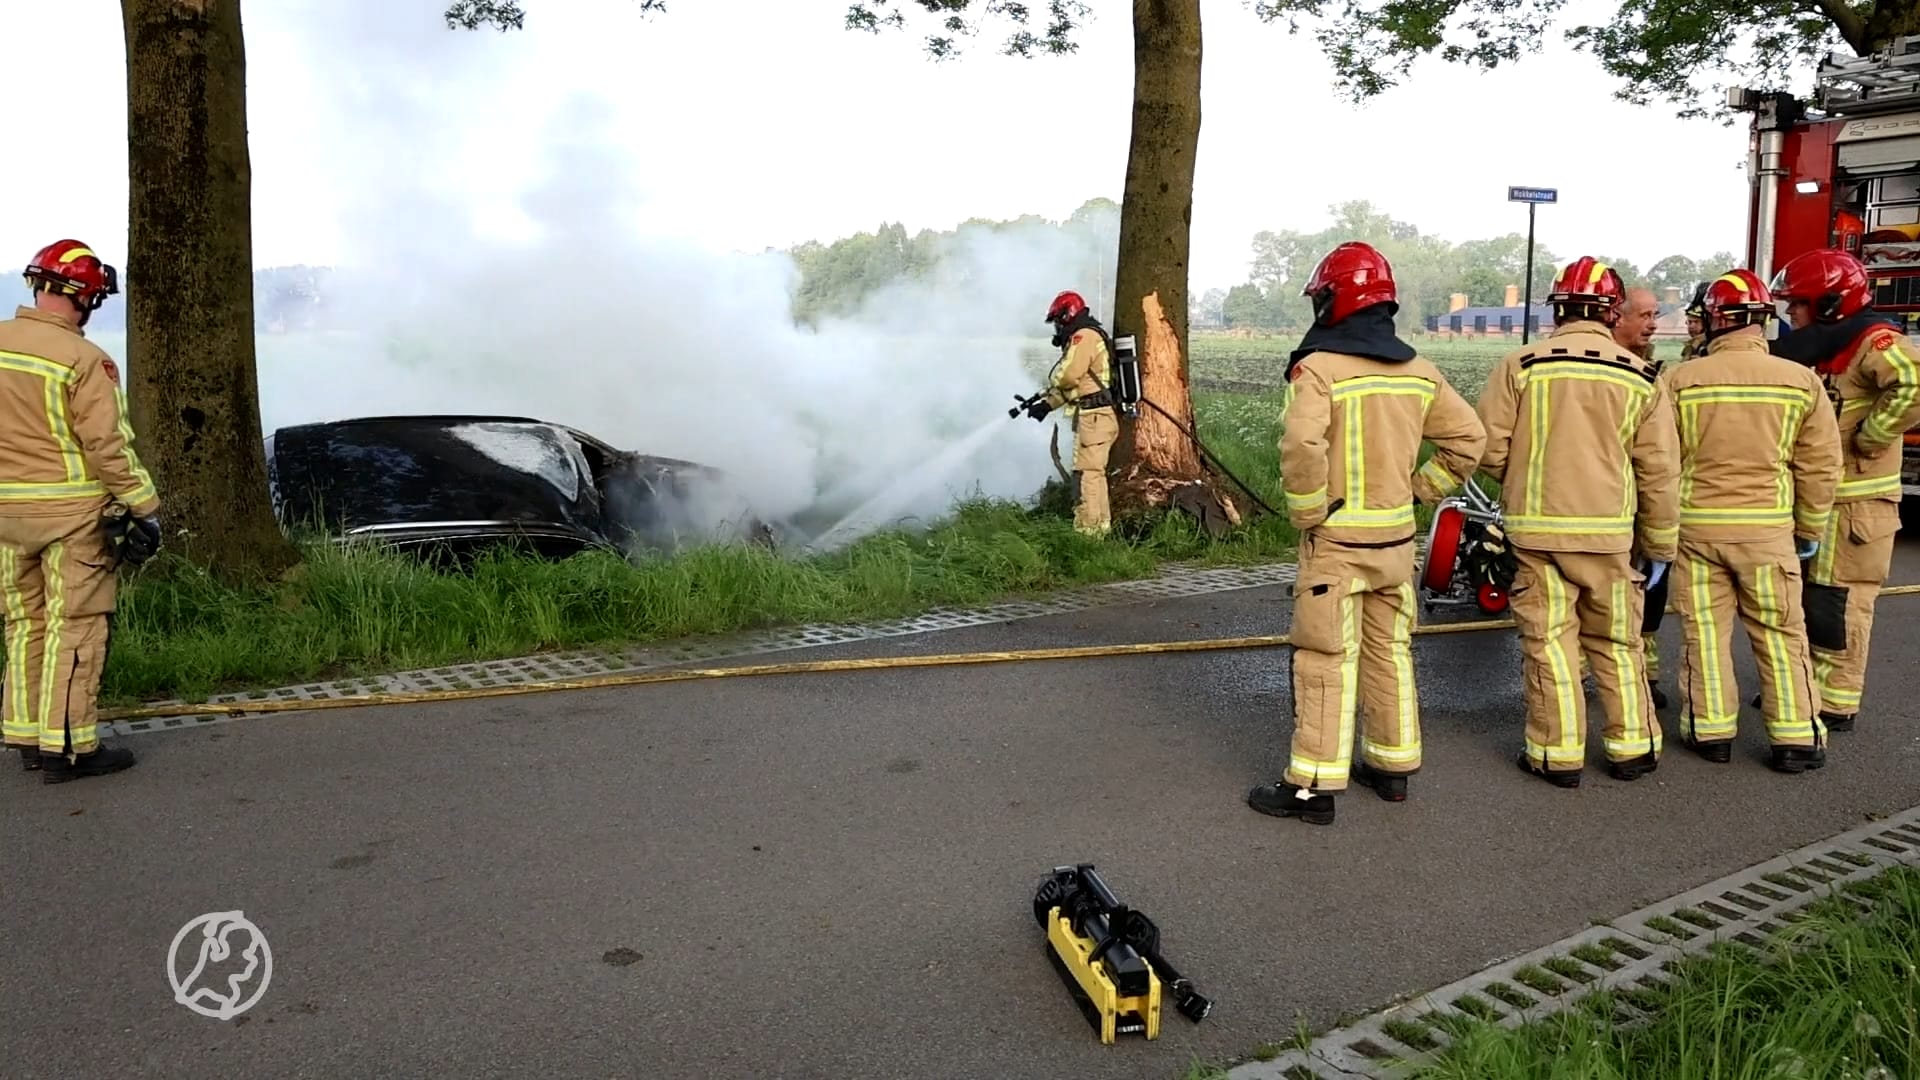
[651, 344]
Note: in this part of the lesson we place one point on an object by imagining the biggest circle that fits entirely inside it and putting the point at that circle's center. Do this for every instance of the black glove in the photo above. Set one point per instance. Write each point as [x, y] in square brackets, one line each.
[1039, 410]
[133, 540]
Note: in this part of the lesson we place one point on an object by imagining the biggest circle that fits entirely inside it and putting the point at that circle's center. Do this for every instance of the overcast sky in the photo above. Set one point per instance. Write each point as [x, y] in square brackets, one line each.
[763, 123]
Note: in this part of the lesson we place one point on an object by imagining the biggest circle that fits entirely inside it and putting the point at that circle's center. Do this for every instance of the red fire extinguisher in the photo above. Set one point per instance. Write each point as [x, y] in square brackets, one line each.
[1848, 230]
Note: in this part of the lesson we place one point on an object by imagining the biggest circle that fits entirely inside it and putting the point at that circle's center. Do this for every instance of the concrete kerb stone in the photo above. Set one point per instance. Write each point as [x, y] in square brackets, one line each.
[1172, 582]
[1634, 952]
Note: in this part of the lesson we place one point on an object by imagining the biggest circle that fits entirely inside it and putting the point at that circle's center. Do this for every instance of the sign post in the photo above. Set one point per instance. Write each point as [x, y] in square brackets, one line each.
[1533, 197]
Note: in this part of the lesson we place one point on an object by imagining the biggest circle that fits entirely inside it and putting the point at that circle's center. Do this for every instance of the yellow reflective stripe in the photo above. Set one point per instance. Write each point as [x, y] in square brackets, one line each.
[1689, 417]
[1364, 518]
[144, 488]
[1369, 385]
[1811, 521]
[1725, 394]
[1407, 699]
[1705, 644]
[1437, 475]
[1822, 569]
[1539, 404]
[35, 365]
[1875, 485]
[1734, 515]
[1547, 523]
[1356, 479]
[1634, 739]
[20, 722]
[1880, 426]
[1305, 502]
[1636, 386]
[60, 426]
[1786, 723]
[1573, 735]
[1663, 537]
[1349, 671]
[56, 604]
[1555, 755]
[51, 490]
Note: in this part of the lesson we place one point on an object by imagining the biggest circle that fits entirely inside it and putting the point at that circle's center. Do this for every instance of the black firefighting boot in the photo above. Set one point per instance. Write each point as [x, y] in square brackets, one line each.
[29, 757]
[1718, 751]
[1633, 768]
[1287, 800]
[1565, 778]
[1659, 695]
[1837, 723]
[56, 769]
[1797, 759]
[1389, 786]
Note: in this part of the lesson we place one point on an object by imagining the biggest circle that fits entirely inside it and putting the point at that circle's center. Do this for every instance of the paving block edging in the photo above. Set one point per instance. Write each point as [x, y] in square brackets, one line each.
[1635, 951]
[1172, 582]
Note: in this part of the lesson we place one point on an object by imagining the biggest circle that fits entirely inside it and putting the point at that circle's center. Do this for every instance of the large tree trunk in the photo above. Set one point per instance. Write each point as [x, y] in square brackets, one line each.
[1154, 457]
[194, 396]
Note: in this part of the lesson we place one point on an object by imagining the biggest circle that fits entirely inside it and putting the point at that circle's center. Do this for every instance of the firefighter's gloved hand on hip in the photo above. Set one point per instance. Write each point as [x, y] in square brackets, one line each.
[1655, 571]
[1805, 549]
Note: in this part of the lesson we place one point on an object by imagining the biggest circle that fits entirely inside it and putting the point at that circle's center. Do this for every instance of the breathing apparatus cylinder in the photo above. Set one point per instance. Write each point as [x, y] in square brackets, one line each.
[1126, 389]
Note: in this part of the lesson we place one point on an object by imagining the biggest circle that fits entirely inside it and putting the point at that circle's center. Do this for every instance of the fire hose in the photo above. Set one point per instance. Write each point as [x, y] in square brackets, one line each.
[797, 667]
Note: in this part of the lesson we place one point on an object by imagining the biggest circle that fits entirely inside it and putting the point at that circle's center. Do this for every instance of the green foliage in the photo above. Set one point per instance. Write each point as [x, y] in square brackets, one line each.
[507, 14]
[1427, 269]
[1659, 49]
[837, 278]
[1835, 995]
[1063, 17]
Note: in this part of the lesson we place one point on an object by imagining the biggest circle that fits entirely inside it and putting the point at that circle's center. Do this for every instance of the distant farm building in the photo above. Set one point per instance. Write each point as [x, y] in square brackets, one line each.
[1463, 321]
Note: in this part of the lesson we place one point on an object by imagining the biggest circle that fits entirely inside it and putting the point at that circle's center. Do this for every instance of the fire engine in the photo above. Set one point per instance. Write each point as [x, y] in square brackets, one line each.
[1843, 170]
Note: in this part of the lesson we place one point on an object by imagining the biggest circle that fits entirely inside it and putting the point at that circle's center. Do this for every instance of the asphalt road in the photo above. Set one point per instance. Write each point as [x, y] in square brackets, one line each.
[830, 875]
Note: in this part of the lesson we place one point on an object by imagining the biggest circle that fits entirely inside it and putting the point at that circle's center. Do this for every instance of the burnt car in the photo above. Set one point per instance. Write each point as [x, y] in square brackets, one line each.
[459, 484]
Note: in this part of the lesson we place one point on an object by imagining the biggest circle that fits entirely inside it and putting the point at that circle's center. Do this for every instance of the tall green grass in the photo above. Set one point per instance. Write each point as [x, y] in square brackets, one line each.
[358, 610]
[1835, 995]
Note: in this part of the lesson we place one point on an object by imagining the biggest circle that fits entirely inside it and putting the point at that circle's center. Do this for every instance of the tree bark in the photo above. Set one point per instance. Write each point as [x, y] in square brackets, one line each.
[1154, 457]
[194, 393]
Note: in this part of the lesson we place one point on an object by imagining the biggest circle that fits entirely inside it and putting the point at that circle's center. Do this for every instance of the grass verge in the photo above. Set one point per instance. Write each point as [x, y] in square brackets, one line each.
[1834, 995]
[354, 611]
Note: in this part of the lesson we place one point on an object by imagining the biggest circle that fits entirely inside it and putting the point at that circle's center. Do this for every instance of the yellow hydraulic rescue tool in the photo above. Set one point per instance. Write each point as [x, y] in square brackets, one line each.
[1108, 955]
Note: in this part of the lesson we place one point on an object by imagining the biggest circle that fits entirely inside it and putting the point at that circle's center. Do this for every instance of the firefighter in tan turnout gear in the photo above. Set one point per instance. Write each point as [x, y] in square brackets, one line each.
[1581, 437]
[1359, 402]
[66, 455]
[1081, 383]
[1759, 457]
[1872, 372]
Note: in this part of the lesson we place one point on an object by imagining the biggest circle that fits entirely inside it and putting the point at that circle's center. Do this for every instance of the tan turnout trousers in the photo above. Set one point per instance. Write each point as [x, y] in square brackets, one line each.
[1352, 635]
[57, 584]
[1094, 433]
[1573, 604]
[1856, 553]
[1759, 584]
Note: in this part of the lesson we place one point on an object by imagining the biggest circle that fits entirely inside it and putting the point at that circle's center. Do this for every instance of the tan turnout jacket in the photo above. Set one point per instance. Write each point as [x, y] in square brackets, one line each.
[1879, 399]
[1074, 376]
[66, 445]
[1759, 449]
[1581, 437]
[1351, 443]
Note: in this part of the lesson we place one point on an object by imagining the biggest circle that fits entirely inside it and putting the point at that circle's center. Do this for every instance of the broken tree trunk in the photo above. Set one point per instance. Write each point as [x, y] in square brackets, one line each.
[1155, 463]
[190, 350]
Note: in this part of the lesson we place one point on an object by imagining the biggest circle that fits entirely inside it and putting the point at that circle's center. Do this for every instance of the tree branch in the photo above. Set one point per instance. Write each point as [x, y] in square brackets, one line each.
[1848, 21]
